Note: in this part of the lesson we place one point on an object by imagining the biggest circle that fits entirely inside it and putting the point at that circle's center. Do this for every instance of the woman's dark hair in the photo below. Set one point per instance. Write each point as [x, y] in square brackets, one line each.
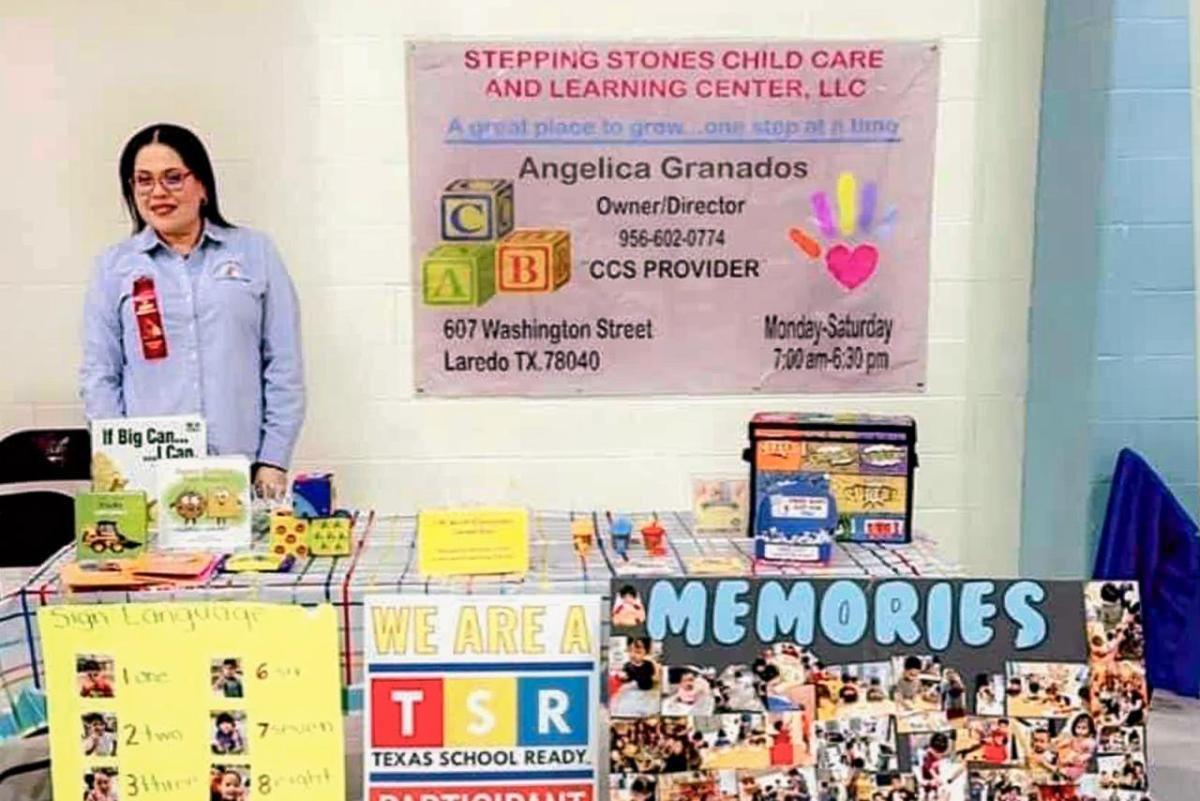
[191, 151]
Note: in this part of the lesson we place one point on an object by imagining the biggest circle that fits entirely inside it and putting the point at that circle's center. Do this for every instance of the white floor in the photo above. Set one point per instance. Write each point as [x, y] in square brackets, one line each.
[1174, 742]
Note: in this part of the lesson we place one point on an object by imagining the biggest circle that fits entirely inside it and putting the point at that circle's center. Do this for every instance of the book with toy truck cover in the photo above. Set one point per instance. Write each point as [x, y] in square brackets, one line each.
[109, 525]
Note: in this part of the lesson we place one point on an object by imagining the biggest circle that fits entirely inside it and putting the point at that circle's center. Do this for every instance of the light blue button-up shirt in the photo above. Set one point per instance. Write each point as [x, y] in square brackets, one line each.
[232, 326]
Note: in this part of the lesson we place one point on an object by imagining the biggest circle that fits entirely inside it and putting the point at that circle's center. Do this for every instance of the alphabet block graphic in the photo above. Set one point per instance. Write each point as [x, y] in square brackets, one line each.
[477, 209]
[533, 260]
[458, 275]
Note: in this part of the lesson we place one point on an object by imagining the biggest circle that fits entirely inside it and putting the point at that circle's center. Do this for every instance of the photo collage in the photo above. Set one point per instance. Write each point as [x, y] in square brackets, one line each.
[101, 737]
[789, 727]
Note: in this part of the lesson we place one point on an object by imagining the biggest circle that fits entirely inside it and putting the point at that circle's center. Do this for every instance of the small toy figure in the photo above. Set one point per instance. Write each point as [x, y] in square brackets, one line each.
[654, 537]
[189, 506]
[223, 506]
[621, 531]
[583, 536]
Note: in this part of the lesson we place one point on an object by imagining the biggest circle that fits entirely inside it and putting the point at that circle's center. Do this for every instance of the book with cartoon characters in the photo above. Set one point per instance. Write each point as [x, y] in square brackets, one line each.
[204, 504]
[125, 451]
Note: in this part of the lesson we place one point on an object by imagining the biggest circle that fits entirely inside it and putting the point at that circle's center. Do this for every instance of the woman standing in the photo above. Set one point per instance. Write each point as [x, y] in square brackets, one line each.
[192, 315]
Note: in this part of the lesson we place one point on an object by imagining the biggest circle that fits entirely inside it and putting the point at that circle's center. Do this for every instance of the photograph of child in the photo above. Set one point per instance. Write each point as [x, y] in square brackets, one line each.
[856, 691]
[791, 736]
[796, 784]
[1119, 695]
[654, 746]
[784, 672]
[989, 741]
[229, 783]
[954, 696]
[918, 684]
[1123, 740]
[1126, 772]
[941, 775]
[990, 691]
[95, 675]
[1046, 690]
[1075, 747]
[632, 787]
[733, 741]
[849, 749]
[1114, 615]
[634, 677]
[702, 786]
[740, 688]
[228, 735]
[689, 691]
[628, 611]
[99, 738]
[227, 678]
[1001, 785]
[100, 784]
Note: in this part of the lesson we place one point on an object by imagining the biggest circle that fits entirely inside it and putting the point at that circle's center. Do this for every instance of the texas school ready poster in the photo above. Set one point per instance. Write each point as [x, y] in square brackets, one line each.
[902, 690]
[683, 217]
[487, 698]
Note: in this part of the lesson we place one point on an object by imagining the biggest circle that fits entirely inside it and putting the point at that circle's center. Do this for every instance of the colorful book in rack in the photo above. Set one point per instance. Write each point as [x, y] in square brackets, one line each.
[127, 450]
[205, 504]
[109, 525]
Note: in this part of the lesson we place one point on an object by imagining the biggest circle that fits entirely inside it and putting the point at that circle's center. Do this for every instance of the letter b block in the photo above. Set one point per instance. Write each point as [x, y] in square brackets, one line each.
[477, 210]
[533, 260]
[458, 275]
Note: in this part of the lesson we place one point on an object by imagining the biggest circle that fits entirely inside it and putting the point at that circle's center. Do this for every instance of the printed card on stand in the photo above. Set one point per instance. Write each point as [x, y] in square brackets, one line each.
[205, 504]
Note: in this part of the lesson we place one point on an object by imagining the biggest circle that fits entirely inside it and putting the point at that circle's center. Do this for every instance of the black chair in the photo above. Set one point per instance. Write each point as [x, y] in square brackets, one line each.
[40, 472]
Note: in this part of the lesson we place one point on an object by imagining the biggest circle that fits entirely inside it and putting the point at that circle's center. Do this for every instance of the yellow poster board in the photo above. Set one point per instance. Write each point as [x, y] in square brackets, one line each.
[193, 701]
[461, 542]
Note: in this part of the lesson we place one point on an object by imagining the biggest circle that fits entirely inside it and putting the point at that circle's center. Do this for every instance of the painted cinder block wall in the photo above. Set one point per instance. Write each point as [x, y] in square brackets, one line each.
[1112, 319]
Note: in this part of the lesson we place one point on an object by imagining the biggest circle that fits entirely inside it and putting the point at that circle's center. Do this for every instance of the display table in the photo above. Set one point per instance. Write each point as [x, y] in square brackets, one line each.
[384, 561]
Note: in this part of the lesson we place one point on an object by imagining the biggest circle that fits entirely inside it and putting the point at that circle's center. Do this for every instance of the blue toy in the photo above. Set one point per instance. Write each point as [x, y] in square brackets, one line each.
[621, 531]
[796, 519]
[312, 495]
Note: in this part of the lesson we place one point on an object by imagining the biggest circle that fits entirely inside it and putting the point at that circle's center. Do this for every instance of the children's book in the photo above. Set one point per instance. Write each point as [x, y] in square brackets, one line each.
[204, 504]
[126, 450]
[109, 525]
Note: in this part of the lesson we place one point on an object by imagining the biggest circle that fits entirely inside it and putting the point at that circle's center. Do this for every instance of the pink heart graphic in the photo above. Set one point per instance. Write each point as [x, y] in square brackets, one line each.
[851, 268]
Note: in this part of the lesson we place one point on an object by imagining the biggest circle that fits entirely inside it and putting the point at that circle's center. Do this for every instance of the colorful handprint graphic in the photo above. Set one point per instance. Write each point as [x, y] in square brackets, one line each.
[853, 256]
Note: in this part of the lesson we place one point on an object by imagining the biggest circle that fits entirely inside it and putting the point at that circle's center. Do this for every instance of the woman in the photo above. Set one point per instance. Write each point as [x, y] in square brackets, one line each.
[192, 315]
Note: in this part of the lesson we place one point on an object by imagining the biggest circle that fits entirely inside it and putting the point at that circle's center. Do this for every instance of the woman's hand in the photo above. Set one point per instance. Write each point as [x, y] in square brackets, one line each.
[270, 482]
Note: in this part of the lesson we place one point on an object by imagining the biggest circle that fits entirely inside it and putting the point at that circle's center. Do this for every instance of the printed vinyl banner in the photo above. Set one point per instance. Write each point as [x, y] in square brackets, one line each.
[900, 690]
[686, 218]
[486, 698]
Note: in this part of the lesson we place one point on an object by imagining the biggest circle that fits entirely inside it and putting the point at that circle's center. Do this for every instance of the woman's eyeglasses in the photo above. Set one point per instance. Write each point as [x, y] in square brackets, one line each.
[171, 180]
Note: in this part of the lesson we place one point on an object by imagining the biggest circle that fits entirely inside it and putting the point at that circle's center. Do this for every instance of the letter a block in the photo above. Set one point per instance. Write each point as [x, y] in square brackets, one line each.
[477, 210]
[458, 275]
[533, 260]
